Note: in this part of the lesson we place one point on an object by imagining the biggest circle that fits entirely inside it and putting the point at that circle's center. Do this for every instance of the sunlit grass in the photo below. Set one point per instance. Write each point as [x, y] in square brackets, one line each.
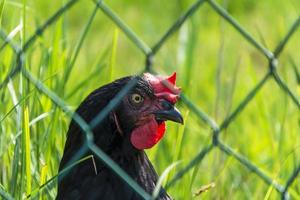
[216, 68]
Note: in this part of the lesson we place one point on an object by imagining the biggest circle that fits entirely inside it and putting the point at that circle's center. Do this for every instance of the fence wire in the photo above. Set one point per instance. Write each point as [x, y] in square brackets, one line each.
[150, 52]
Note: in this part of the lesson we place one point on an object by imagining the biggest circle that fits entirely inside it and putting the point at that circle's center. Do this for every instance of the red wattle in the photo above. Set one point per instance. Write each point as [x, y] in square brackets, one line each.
[146, 136]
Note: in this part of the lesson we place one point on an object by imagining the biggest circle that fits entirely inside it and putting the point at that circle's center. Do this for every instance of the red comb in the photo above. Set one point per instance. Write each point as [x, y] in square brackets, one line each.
[164, 87]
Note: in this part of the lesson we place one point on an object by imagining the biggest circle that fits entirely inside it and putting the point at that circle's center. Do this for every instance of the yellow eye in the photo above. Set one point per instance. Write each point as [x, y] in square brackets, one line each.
[137, 98]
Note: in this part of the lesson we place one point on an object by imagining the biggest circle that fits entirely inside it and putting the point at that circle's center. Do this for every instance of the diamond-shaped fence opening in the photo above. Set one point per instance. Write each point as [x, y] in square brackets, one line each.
[150, 52]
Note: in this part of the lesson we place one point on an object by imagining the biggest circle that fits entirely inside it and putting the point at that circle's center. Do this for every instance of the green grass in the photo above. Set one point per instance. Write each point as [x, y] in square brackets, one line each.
[26, 158]
[217, 66]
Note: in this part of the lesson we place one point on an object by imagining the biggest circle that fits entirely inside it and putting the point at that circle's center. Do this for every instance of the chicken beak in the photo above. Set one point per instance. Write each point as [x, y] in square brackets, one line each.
[168, 112]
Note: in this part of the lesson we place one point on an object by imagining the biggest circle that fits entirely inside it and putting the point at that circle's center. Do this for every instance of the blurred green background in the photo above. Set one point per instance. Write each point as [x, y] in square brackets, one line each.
[216, 68]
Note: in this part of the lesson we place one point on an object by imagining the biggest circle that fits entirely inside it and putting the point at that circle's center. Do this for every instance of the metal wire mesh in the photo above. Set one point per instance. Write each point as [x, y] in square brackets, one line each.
[150, 52]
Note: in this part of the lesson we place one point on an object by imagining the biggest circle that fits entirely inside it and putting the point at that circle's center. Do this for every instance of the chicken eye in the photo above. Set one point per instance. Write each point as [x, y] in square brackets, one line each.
[137, 98]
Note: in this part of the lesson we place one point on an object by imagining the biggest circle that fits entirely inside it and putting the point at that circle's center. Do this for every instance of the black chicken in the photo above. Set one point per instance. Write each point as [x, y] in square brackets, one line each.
[137, 123]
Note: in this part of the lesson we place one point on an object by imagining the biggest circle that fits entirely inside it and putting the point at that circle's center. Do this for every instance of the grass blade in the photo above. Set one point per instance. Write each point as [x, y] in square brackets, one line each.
[113, 53]
[43, 178]
[1, 11]
[26, 149]
[162, 178]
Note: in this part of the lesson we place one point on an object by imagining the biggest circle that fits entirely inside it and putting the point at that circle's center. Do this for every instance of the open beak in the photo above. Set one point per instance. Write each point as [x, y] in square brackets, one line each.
[168, 112]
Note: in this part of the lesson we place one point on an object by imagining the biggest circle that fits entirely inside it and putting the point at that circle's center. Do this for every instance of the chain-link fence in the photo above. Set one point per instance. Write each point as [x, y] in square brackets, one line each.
[150, 53]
